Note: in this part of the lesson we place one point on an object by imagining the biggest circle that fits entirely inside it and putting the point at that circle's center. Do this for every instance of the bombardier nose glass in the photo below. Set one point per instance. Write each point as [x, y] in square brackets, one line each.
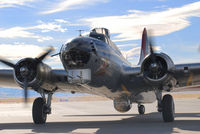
[76, 53]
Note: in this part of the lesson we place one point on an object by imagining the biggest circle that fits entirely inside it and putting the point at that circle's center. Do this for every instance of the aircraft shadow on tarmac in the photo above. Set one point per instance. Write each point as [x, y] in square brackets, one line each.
[151, 123]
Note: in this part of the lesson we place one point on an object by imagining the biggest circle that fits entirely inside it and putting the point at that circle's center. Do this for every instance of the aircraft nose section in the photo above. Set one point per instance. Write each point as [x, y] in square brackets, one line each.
[81, 44]
[77, 53]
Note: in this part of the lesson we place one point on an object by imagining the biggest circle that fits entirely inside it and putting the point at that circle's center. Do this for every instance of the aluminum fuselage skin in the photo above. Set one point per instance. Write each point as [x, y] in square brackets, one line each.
[106, 66]
[109, 71]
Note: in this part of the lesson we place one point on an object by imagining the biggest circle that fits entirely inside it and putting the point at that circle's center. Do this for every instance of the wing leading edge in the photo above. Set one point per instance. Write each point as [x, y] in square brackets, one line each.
[57, 78]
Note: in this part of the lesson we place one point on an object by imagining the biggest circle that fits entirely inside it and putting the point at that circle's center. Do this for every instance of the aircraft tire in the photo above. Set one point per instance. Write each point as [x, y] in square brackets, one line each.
[141, 109]
[38, 114]
[168, 108]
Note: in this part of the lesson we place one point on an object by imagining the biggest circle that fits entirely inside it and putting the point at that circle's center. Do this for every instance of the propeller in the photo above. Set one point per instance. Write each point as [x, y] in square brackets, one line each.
[26, 69]
[151, 47]
[8, 63]
[153, 67]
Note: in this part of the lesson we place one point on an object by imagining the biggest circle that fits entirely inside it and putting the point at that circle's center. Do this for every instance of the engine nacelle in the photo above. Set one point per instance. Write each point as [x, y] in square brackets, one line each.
[157, 71]
[38, 74]
[122, 104]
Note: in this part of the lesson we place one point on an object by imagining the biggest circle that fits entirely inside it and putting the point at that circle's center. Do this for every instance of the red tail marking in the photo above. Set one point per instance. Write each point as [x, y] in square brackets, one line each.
[144, 41]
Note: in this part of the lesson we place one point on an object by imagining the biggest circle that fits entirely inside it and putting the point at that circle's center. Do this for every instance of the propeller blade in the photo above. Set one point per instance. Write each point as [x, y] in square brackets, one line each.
[25, 91]
[8, 63]
[150, 41]
[43, 56]
[151, 47]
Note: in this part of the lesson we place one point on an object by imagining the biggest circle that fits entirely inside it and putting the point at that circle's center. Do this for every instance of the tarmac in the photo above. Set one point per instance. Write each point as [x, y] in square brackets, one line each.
[100, 117]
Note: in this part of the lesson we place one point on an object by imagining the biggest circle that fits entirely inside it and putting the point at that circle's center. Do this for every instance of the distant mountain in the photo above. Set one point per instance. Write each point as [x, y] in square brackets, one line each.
[18, 93]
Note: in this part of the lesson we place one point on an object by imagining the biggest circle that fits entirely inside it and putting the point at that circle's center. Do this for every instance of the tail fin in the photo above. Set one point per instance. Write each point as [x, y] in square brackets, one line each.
[144, 46]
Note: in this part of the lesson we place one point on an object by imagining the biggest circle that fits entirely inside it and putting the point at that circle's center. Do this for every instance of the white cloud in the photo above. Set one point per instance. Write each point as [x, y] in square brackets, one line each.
[28, 32]
[157, 48]
[47, 27]
[21, 32]
[71, 4]
[130, 26]
[54, 61]
[61, 21]
[42, 38]
[134, 52]
[126, 45]
[14, 3]
[19, 50]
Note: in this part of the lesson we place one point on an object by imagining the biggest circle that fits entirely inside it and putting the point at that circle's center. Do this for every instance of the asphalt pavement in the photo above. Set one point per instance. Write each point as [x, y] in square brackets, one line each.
[101, 118]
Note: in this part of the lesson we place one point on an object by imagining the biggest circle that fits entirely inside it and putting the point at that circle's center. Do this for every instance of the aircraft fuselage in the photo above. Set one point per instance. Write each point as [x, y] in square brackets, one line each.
[106, 64]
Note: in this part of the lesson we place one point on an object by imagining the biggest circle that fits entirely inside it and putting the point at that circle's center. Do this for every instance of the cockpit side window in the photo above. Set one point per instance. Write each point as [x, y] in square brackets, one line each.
[107, 40]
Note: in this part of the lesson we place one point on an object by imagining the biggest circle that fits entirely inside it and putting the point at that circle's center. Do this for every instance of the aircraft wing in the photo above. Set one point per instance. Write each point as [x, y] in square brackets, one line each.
[58, 79]
[159, 69]
[7, 79]
[187, 77]
[182, 77]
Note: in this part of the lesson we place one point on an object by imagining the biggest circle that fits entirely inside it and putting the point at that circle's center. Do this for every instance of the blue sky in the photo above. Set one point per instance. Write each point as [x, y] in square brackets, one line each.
[28, 26]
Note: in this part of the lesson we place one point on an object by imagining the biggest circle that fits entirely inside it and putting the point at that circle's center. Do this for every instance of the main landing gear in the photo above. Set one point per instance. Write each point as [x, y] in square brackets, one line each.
[168, 109]
[41, 107]
[166, 106]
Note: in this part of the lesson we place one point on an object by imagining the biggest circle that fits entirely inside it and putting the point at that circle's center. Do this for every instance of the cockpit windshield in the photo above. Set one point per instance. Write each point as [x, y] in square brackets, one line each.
[104, 35]
[100, 34]
[97, 36]
[103, 31]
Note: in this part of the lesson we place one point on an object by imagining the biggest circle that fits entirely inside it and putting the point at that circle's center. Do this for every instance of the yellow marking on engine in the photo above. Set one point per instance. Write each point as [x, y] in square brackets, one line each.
[125, 89]
[189, 81]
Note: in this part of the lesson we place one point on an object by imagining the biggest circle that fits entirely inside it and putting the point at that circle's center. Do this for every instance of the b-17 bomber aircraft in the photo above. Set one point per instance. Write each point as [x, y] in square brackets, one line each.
[93, 64]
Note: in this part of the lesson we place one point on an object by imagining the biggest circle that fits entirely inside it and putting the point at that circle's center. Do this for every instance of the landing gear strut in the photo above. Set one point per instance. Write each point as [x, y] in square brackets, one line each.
[159, 99]
[41, 107]
[166, 106]
[141, 109]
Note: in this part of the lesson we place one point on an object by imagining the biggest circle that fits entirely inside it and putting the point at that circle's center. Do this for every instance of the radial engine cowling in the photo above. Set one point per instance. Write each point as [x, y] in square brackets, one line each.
[157, 71]
[35, 74]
